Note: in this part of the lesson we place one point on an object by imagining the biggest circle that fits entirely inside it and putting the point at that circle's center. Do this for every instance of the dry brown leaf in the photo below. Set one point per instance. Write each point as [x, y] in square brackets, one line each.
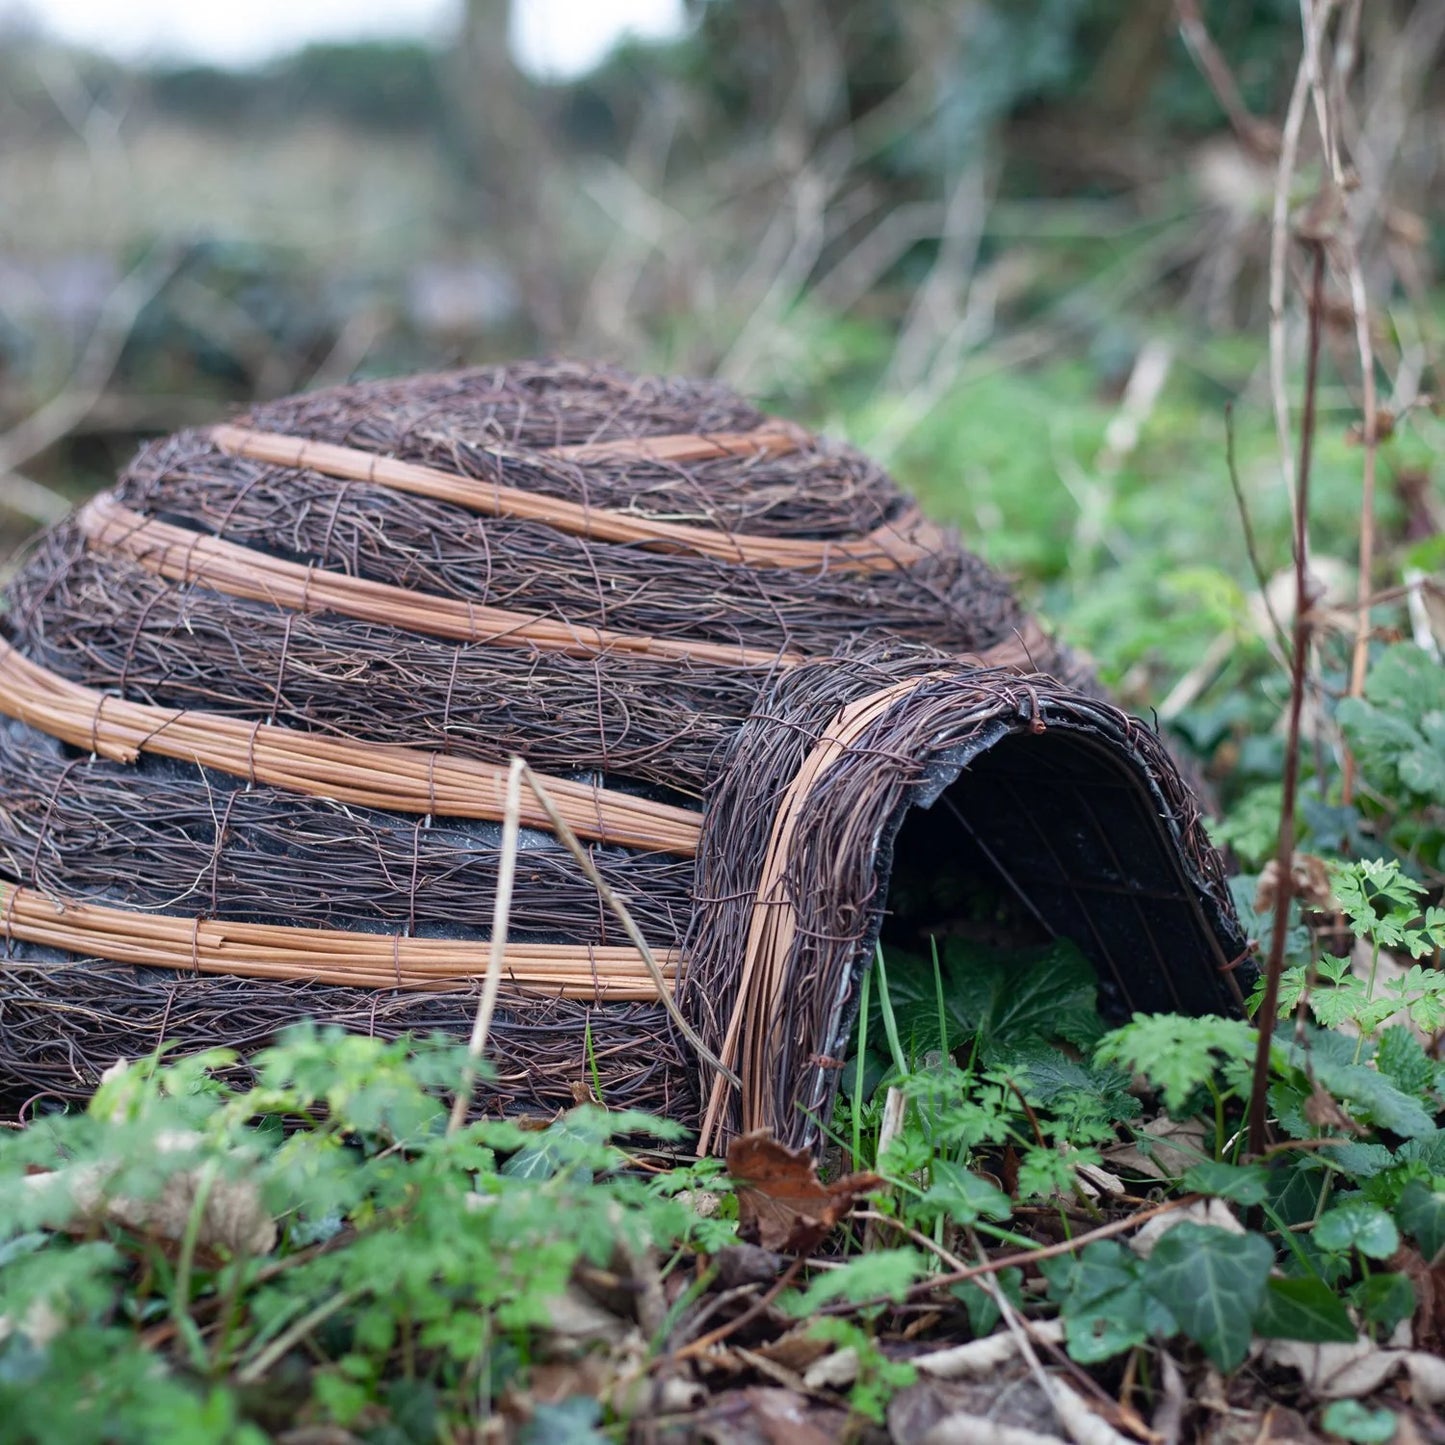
[1336, 1372]
[781, 1197]
[765, 1415]
[1174, 1145]
[232, 1216]
[1310, 883]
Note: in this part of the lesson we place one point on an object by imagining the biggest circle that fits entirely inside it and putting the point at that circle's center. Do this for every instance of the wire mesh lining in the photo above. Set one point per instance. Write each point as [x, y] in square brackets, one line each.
[167, 836]
[1133, 880]
[65, 1019]
[949, 600]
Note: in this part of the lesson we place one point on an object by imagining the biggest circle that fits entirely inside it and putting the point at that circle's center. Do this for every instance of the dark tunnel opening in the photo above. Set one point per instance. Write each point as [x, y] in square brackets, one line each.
[1055, 835]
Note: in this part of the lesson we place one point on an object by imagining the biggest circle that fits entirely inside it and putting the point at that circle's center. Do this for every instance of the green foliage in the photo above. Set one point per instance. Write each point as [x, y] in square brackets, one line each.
[1104, 1303]
[1350, 1420]
[392, 1235]
[1213, 1283]
[885, 1272]
[878, 1377]
[1398, 728]
[1179, 1056]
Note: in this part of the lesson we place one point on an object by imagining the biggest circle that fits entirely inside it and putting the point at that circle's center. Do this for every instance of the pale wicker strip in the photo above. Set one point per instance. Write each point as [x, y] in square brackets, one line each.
[906, 540]
[185, 556]
[772, 927]
[375, 775]
[320, 955]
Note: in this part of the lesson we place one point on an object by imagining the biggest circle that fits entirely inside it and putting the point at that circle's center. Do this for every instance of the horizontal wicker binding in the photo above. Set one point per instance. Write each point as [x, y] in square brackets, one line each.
[262, 698]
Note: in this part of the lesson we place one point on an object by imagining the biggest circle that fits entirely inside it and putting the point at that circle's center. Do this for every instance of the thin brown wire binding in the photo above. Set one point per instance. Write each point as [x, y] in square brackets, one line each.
[376, 775]
[771, 929]
[906, 540]
[181, 555]
[321, 955]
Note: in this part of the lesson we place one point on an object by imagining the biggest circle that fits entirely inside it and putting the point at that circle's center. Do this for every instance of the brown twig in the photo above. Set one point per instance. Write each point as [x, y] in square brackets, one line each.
[1025, 1257]
[1274, 967]
[1257, 136]
[610, 899]
[1251, 545]
[705, 1342]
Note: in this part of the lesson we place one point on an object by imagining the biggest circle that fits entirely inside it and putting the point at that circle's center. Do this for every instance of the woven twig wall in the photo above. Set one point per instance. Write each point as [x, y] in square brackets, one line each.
[262, 697]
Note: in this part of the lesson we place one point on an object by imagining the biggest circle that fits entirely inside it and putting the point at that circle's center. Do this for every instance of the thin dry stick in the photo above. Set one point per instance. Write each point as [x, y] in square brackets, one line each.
[1024, 1257]
[1251, 544]
[569, 841]
[1274, 968]
[1325, 105]
[1278, 255]
[1081, 1424]
[501, 912]
[1256, 135]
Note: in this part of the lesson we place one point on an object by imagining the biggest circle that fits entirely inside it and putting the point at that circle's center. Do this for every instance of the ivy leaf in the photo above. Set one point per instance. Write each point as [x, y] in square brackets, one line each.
[982, 1307]
[1385, 1300]
[1421, 1214]
[1212, 1281]
[573, 1421]
[1244, 1184]
[1103, 1303]
[1357, 1224]
[1303, 1309]
[1350, 1420]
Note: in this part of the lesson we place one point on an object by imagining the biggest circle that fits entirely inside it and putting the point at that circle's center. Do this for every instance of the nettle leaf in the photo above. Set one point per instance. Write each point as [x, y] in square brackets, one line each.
[1357, 1224]
[1244, 1184]
[1073, 1091]
[1212, 1281]
[1103, 1303]
[1359, 1161]
[1369, 1096]
[1178, 1055]
[1407, 680]
[1396, 729]
[1303, 1309]
[1423, 770]
[1421, 1214]
[1006, 1001]
[1401, 1057]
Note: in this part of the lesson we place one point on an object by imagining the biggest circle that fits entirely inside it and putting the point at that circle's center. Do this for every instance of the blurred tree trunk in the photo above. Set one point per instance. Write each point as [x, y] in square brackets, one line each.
[509, 162]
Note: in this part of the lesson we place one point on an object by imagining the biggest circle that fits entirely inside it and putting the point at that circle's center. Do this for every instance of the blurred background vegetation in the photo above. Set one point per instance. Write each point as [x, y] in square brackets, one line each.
[1015, 247]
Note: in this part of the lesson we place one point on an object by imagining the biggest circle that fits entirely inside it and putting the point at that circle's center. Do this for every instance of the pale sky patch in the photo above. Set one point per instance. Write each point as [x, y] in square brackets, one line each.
[554, 39]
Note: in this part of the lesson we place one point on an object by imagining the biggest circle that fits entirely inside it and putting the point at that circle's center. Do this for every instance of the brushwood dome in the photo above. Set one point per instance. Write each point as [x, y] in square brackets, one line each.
[260, 700]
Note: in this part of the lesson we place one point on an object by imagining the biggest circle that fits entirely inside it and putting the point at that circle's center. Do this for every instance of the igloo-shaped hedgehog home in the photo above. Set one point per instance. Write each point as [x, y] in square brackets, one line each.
[263, 694]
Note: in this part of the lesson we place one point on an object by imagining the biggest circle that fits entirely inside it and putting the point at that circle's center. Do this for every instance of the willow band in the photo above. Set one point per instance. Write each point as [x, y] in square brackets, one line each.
[310, 643]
